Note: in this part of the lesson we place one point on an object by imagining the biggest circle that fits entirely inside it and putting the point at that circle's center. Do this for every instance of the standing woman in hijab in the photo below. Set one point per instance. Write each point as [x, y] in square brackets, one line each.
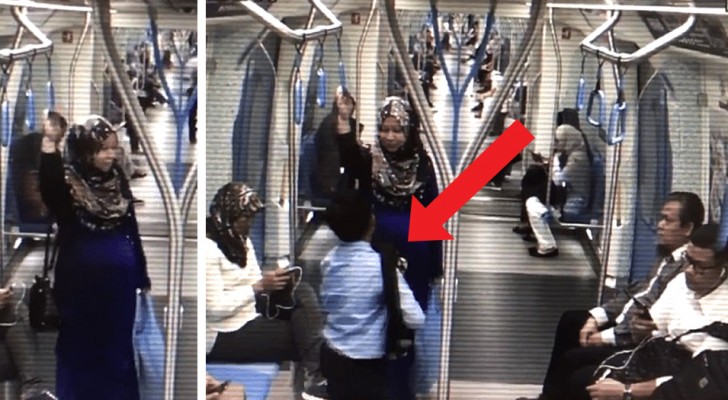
[400, 168]
[100, 265]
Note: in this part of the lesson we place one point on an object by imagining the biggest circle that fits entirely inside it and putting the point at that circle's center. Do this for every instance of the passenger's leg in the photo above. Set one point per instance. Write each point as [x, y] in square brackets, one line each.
[537, 217]
[565, 339]
[350, 379]
[579, 381]
[307, 325]
[574, 360]
[260, 340]
[21, 342]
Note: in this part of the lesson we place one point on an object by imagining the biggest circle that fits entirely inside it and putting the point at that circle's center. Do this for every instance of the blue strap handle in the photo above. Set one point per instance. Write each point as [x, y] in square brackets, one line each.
[342, 75]
[30, 109]
[298, 101]
[617, 123]
[596, 94]
[580, 91]
[6, 122]
[51, 96]
[321, 91]
[49, 87]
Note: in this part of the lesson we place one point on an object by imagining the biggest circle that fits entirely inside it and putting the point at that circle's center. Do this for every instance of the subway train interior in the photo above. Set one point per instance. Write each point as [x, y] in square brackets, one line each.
[645, 81]
[134, 63]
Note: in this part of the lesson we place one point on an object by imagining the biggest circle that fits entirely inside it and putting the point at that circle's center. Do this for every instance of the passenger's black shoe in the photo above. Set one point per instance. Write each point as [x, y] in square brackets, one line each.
[523, 230]
[479, 107]
[137, 200]
[138, 174]
[528, 238]
[316, 389]
[533, 252]
[33, 389]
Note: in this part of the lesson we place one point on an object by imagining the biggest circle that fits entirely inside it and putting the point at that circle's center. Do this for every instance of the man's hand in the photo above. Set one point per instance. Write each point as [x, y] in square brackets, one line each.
[641, 327]
[5, 295]
[606, 389]
[590, 328]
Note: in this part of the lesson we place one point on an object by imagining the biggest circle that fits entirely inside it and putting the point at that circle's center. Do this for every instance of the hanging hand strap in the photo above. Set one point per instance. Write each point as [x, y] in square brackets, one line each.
[298, 101]
[49, 85]
[5, 118]
[30, 99]
[322, 81]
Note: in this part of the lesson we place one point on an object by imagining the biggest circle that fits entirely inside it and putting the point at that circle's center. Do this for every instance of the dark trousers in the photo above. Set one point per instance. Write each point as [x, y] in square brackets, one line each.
[277, 340]
[350, 379]
[572, 367]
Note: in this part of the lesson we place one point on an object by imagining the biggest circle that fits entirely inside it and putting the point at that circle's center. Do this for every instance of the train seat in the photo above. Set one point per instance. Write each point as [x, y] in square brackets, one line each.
[257, 378]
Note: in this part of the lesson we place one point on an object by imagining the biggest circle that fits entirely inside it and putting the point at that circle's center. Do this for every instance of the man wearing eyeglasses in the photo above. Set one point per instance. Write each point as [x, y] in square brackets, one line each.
[694, 299]
[584, 338]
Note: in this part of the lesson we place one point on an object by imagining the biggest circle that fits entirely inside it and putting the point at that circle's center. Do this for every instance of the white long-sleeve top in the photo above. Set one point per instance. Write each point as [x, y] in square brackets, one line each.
[230, 299]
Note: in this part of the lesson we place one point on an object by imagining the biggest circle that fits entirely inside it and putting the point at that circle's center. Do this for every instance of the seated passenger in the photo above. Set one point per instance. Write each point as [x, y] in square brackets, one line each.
[236, 332]
[352, 355]
[694, 299]
[571, 172]
[590, 336]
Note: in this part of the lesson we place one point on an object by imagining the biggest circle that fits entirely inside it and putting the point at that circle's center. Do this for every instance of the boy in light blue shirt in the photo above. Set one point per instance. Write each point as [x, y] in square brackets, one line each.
[352, 294]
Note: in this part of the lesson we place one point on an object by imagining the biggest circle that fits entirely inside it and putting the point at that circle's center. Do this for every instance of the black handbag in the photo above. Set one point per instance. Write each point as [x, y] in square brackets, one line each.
[42, 308]
[400, 339]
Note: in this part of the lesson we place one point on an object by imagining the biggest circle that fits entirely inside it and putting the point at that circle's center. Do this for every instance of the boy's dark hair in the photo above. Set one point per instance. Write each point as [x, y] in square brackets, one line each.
[349, 217]
[57, 120]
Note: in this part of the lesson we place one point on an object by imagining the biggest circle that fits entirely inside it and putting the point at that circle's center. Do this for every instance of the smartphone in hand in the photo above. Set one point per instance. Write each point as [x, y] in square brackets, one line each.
[645, 310]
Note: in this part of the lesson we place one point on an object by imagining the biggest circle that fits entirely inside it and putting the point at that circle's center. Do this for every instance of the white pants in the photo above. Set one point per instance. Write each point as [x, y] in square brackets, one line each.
[538, 217]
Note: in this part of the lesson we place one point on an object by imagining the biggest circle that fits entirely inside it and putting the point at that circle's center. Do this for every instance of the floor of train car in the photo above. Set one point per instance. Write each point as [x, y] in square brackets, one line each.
[507, 304]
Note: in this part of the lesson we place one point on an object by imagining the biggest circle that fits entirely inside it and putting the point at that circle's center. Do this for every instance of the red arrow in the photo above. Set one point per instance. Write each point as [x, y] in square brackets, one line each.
[426, 223]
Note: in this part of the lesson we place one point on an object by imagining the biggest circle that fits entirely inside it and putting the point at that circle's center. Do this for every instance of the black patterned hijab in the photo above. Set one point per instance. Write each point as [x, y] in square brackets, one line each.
[100, 198]
[399, 174]
[233, 201]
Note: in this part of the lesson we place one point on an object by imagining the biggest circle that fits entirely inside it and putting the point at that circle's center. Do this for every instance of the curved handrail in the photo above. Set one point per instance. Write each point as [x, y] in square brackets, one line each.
[102, 18]
[74, 63]
[295, 35]
[646, 51]
[29, 50]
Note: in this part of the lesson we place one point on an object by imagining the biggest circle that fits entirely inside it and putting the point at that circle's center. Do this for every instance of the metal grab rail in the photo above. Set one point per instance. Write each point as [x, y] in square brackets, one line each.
[102, 17]
[295, 35]
[45, 6]
[29, 50]
[646, 51]
[359, 52]
[74, 63]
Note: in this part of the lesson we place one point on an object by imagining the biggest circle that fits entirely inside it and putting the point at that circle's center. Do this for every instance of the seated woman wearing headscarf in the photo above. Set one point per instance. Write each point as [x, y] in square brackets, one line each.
[236, 332]
[569, 189]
